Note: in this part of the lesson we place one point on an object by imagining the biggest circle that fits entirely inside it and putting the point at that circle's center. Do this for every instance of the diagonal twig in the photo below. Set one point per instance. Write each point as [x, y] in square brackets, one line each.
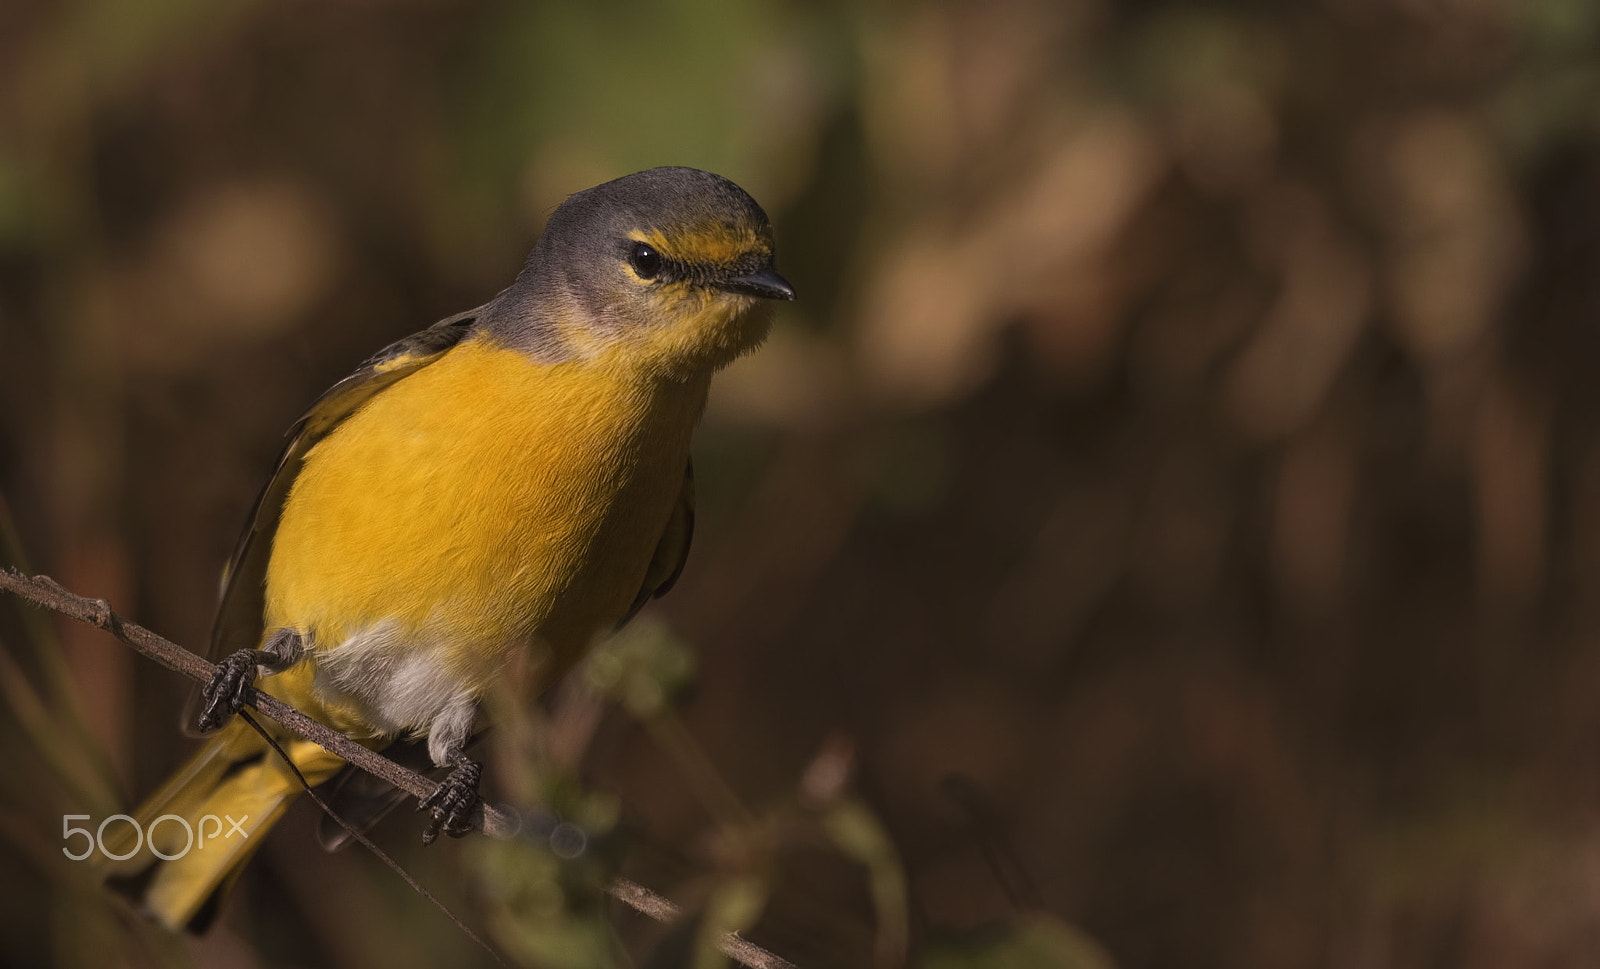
[41, 590]
[45, 591]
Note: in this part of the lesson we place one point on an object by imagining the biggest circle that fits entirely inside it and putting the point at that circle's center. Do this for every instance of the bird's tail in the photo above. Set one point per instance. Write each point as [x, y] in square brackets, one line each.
[191, 838]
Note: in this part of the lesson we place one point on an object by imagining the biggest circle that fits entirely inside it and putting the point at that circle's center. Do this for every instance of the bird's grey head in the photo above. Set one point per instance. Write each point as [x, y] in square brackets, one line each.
[673, 257]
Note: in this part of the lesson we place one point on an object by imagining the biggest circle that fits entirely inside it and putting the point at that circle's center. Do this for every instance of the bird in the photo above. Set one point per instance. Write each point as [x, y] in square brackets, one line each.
[476, 503]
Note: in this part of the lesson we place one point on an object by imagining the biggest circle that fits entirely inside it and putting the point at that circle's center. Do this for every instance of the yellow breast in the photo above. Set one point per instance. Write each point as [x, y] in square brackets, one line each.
[485, 503]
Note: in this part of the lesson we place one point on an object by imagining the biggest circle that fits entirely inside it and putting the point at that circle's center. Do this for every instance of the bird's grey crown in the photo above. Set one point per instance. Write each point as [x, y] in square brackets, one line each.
[660, 198]
[579, 256]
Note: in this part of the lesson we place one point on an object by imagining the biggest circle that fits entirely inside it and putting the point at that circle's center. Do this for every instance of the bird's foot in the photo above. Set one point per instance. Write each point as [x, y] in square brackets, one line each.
[229, 687]
[452, 802]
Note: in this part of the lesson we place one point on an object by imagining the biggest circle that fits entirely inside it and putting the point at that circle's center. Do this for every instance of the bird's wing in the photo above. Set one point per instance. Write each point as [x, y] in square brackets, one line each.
[671, 551]
[239, 616]
[361, 800]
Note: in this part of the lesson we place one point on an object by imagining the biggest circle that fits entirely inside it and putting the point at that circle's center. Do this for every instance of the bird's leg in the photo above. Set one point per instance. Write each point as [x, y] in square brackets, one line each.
[236, 674]
[453, 800]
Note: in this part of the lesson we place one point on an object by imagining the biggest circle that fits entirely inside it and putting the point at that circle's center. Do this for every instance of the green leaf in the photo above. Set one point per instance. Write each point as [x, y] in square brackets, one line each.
[860, 836]
[734, 906]
[641, 667]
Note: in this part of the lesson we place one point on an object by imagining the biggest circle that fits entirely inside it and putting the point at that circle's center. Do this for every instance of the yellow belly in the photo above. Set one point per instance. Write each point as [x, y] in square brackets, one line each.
[481, 506]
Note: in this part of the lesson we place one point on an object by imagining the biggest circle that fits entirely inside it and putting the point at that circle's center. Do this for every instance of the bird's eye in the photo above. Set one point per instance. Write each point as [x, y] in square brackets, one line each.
[646, 261]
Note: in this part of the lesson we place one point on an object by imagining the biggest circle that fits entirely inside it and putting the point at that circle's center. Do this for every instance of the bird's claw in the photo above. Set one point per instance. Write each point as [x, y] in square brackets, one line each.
[452, 802]
[228, 689]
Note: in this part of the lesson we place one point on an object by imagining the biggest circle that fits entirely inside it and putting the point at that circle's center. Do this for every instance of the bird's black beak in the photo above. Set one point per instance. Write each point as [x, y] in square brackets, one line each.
[766, 284]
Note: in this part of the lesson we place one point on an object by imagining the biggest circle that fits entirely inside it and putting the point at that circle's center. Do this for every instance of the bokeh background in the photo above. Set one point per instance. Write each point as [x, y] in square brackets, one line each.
[1176, 495]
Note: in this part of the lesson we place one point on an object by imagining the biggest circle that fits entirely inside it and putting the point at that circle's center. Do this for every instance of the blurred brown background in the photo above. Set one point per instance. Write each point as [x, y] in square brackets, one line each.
[1188, 438]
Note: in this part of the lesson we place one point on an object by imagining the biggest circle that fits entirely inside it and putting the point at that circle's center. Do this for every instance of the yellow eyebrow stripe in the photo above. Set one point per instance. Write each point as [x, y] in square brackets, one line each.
[713, 244]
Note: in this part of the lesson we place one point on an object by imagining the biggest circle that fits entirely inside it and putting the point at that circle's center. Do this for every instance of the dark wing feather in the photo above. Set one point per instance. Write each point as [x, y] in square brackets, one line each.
[239, 617]
[671, 551]
[362, 800]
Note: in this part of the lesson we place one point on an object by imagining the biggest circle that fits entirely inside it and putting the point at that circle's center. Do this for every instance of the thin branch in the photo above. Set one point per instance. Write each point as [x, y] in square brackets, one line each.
[45, 591]
[41, 590]
[733, 945]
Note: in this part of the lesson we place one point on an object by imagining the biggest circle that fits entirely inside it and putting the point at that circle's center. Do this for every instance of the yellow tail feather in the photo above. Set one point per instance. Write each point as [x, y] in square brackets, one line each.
[206, 821]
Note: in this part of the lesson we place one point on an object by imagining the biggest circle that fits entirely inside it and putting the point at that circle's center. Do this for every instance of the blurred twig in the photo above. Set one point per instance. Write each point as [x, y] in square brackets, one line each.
[46, 592]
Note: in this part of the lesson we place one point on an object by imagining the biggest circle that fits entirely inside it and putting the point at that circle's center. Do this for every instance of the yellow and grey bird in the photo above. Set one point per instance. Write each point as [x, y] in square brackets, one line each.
[478, 501]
